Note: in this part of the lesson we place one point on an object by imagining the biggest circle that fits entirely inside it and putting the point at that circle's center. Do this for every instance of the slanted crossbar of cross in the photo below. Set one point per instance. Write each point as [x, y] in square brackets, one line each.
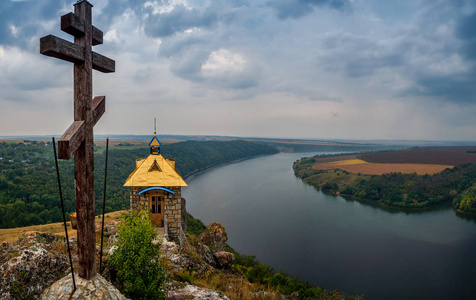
[78, 139]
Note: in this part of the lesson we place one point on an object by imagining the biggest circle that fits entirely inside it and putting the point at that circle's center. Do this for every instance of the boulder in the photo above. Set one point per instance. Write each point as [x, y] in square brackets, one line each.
[214, 236]
[5, 252]
[194, 292]
[179, 261]
[224, 259]
[96, 288]
[206, 254]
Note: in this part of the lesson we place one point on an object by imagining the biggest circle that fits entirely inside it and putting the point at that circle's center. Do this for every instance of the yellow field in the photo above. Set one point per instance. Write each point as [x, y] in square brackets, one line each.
[350, 162]
[12, 234]
[363, 167]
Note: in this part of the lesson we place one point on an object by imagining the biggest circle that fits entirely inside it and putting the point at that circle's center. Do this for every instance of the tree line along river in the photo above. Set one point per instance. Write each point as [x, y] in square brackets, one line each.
[354, 246]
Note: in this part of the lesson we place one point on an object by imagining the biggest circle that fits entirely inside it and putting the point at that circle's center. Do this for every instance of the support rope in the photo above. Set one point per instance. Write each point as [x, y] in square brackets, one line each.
[103, 205]
[64, 217]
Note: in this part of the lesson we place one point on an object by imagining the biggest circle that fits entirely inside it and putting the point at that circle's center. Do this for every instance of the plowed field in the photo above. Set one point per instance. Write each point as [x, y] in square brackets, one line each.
[426, 160]
[426, 155]
[379, 169]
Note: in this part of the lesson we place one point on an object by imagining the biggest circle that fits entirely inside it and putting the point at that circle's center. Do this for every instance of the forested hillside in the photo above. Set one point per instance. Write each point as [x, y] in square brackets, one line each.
[29, 190]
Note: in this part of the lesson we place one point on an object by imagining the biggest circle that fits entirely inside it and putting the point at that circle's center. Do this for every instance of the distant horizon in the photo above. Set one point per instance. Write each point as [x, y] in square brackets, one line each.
[190, 136]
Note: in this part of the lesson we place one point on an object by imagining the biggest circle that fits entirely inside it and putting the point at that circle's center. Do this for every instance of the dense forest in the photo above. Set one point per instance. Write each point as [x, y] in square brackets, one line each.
[29, 190]
[456, 185]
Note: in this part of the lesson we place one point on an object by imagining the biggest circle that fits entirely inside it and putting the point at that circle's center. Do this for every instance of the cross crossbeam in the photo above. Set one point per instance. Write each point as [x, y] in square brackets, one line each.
[78, 138]
[72, 24]
[53, 46]
[69, 143]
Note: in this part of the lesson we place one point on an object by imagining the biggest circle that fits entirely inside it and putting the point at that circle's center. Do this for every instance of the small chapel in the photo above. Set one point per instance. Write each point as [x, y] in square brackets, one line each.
[156, 187]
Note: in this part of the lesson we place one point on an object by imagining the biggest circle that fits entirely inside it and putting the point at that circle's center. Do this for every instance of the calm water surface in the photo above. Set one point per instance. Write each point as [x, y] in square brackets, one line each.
[334, 242]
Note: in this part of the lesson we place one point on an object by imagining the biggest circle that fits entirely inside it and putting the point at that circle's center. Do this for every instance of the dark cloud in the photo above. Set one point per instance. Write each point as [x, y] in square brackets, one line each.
[466, 31]
[434, 56]
[466, 28]
[179, 19]
[286, 9]
[368, 64]
[242, 80]
[456, 89]
[188, 65]
[115, 8]
[458, 86]
[26, 17]
[180, 43]
[359, 56]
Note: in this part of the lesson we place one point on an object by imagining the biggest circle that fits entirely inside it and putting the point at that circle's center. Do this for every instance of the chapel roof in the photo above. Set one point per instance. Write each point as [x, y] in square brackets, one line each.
[155, 170]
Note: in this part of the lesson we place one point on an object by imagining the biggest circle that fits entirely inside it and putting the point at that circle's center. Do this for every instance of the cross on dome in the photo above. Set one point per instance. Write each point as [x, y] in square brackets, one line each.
[155, 143]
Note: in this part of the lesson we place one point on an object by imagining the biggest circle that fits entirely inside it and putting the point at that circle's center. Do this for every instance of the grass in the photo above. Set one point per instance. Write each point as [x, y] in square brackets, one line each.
[12, 234]
[379, 169]
[339, 177]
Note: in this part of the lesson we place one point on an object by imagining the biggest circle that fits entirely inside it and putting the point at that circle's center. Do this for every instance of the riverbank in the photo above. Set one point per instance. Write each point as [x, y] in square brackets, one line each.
[358, 247]
[407, 191]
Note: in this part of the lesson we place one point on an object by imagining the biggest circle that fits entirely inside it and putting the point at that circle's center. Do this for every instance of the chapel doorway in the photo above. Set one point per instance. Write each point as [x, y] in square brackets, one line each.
[156, 209]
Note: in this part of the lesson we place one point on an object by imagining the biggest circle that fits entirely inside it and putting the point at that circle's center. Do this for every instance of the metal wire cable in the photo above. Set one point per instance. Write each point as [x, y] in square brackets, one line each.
[103, 205]
[64, 218]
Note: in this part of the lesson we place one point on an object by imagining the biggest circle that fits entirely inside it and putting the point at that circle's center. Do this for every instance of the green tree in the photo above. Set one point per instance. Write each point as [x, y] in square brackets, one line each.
[140, 271]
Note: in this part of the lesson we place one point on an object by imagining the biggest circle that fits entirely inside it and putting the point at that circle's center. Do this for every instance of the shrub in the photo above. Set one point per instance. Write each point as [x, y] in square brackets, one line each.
[195, 226]
[140, 272]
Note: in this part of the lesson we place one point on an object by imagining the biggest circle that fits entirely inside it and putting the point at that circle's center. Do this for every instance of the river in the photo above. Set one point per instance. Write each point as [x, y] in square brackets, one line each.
[354, 246]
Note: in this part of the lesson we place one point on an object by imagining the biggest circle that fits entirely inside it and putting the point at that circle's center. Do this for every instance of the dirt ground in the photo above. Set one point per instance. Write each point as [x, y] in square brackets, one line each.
[12, 234]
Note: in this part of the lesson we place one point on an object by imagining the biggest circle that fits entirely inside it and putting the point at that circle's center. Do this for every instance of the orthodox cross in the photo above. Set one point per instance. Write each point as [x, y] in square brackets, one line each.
[78, 138]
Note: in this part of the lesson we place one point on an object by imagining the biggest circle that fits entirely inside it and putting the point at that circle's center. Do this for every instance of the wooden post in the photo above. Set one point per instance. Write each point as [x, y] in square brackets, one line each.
[78, 138]
[84, 156]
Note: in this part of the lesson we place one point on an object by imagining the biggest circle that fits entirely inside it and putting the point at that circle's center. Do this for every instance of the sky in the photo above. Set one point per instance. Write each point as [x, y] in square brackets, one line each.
[319, 69]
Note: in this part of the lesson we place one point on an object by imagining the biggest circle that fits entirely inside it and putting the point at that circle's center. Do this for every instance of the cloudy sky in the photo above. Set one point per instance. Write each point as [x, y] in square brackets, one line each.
[350, 69]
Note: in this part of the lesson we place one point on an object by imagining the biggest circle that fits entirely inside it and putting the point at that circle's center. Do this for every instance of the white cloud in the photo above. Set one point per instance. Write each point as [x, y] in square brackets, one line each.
[14, 31]
[111, 36]
[224, 60]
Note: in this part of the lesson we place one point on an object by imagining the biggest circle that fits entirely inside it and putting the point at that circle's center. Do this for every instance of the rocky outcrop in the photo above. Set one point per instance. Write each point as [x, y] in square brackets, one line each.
[212, 246]
[96, 288]
[224, 259]
[30, 265]
[195, 292]
[215, 237]
[36, 260]
[206, 255]
[179, 261]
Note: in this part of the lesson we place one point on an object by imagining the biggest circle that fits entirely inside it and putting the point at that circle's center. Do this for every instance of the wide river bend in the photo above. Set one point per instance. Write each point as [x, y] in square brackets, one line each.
[357, 247]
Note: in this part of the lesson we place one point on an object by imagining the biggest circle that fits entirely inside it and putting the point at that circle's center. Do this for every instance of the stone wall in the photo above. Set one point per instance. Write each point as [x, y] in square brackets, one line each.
[174, 208]
[139, 202]
[184, 215]
[173, 212]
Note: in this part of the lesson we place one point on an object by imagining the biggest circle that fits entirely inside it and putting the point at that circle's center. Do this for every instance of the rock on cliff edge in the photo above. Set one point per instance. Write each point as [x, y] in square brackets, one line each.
[194, 292]
[215, 237]
[28, 266]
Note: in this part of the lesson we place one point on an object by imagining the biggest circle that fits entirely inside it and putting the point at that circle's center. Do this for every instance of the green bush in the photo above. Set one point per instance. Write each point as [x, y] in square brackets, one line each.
[195, 226]
[140, 272]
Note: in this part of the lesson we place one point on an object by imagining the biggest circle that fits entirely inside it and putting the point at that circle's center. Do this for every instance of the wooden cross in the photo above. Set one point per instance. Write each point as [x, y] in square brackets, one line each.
[78, 138]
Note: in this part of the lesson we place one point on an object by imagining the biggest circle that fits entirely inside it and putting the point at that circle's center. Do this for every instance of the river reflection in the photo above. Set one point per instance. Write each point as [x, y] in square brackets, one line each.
[337, 242]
